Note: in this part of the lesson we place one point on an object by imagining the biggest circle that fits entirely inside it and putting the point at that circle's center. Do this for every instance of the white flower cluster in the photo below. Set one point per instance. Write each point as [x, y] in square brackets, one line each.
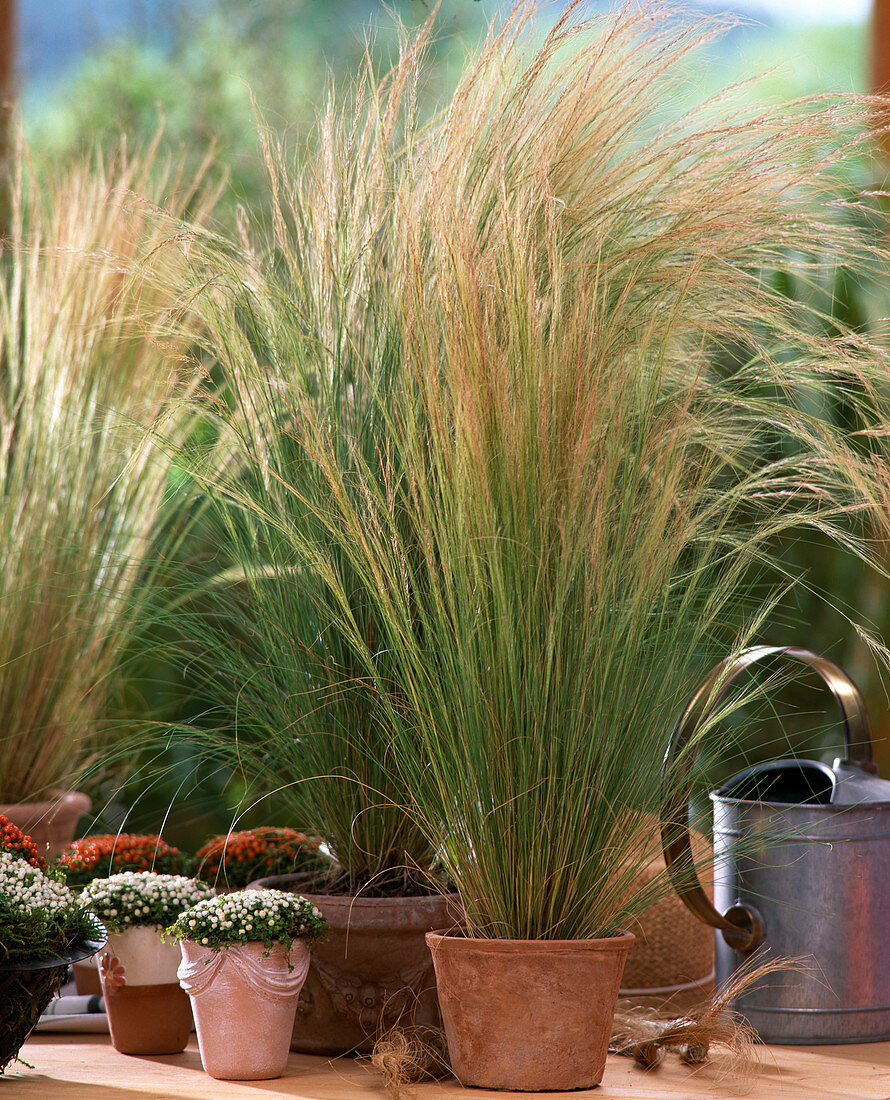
[142, 897]
[250, 915]
[24, 888]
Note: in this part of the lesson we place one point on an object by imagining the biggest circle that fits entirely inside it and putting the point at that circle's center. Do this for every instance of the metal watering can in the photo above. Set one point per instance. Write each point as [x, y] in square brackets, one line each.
[801, 868]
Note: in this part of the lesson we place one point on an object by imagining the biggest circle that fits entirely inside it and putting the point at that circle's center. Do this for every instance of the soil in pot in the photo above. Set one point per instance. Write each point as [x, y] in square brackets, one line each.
[148, 1012]
[528, 1015]
[244, 997]
[50, 824]
[373, 972]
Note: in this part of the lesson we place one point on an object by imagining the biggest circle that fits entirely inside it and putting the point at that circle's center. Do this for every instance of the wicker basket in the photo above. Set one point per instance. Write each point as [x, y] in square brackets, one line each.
[674, 951]
[24, 994]
[26, 988]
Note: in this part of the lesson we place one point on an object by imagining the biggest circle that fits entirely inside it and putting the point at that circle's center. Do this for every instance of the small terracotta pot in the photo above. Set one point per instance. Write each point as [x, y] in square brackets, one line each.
[529, 1015]
[87, 981]
[373, 970]
[244, 999]
[148, 1013]
[50, 824]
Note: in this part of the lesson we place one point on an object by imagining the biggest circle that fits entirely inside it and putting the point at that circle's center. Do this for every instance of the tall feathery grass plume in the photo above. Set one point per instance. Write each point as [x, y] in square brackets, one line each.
[91, 352]
[621, 419]
[516, 422]
[303, 337]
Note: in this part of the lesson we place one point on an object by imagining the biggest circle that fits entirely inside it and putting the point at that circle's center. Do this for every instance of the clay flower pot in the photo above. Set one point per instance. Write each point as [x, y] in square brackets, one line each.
[531, 1015]
[148, 1013]
[87, 980]
[244, 997]
[50, 824]
[373, 970]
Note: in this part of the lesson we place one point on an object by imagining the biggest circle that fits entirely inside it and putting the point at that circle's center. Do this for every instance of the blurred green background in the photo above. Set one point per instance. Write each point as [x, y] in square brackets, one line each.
[198, 70]
[89, 70]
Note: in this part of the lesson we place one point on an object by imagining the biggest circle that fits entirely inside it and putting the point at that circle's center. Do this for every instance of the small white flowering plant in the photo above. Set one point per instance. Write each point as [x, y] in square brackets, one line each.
[40, 918]
[268, 916]
[134, 898]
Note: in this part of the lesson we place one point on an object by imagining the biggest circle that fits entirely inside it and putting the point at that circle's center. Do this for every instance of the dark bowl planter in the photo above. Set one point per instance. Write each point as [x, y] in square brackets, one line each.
[373, 971]
[26, 988]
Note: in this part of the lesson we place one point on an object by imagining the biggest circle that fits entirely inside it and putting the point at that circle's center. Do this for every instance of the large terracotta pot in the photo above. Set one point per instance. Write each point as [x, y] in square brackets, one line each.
[50, 824]
[244, 999]
[148, 1013]
[373, 971]
[530, 1015]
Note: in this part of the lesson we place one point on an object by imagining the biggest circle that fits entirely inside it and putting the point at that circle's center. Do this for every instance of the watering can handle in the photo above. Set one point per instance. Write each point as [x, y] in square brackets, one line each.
[740, 924]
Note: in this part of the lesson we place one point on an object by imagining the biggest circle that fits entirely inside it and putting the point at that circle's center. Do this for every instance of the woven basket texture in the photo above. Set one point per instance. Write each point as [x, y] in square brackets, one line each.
[674, 949]
[24, 994]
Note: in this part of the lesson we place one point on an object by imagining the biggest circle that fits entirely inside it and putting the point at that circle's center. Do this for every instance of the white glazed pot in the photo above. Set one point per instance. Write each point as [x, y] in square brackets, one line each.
[148, 1013]
[146, 959]
[244, 999]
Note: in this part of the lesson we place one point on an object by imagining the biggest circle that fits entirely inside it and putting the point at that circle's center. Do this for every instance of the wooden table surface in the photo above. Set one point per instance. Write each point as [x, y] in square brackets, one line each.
[86, 1067]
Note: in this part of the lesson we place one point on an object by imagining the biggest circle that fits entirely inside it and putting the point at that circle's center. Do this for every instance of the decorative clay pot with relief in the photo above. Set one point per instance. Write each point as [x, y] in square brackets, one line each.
[244, 998]
[371, 973]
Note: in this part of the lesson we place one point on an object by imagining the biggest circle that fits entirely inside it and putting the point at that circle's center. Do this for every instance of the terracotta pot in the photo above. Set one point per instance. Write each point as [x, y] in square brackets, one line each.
[373, 971]
[530, 1015]
[87, 981]
[148, 1013]
[244, 999]
[50, 824]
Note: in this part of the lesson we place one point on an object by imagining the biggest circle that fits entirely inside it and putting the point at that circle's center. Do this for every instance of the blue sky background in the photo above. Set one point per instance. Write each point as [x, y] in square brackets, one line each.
[55, 34]
[801, 11]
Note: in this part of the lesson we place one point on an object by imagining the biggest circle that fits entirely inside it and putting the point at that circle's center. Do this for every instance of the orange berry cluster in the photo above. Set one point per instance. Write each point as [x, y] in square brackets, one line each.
[237, 858]
[110, 853]
[12, 839]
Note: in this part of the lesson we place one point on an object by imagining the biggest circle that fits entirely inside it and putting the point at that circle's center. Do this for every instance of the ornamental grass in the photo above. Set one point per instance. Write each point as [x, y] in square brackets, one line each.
[517, 423]
[297, 721]
[90, 353]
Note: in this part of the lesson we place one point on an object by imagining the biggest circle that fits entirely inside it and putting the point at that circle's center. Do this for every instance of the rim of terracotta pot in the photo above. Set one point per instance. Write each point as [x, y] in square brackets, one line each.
[444, 938]
[406, 912]
[59, 802]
